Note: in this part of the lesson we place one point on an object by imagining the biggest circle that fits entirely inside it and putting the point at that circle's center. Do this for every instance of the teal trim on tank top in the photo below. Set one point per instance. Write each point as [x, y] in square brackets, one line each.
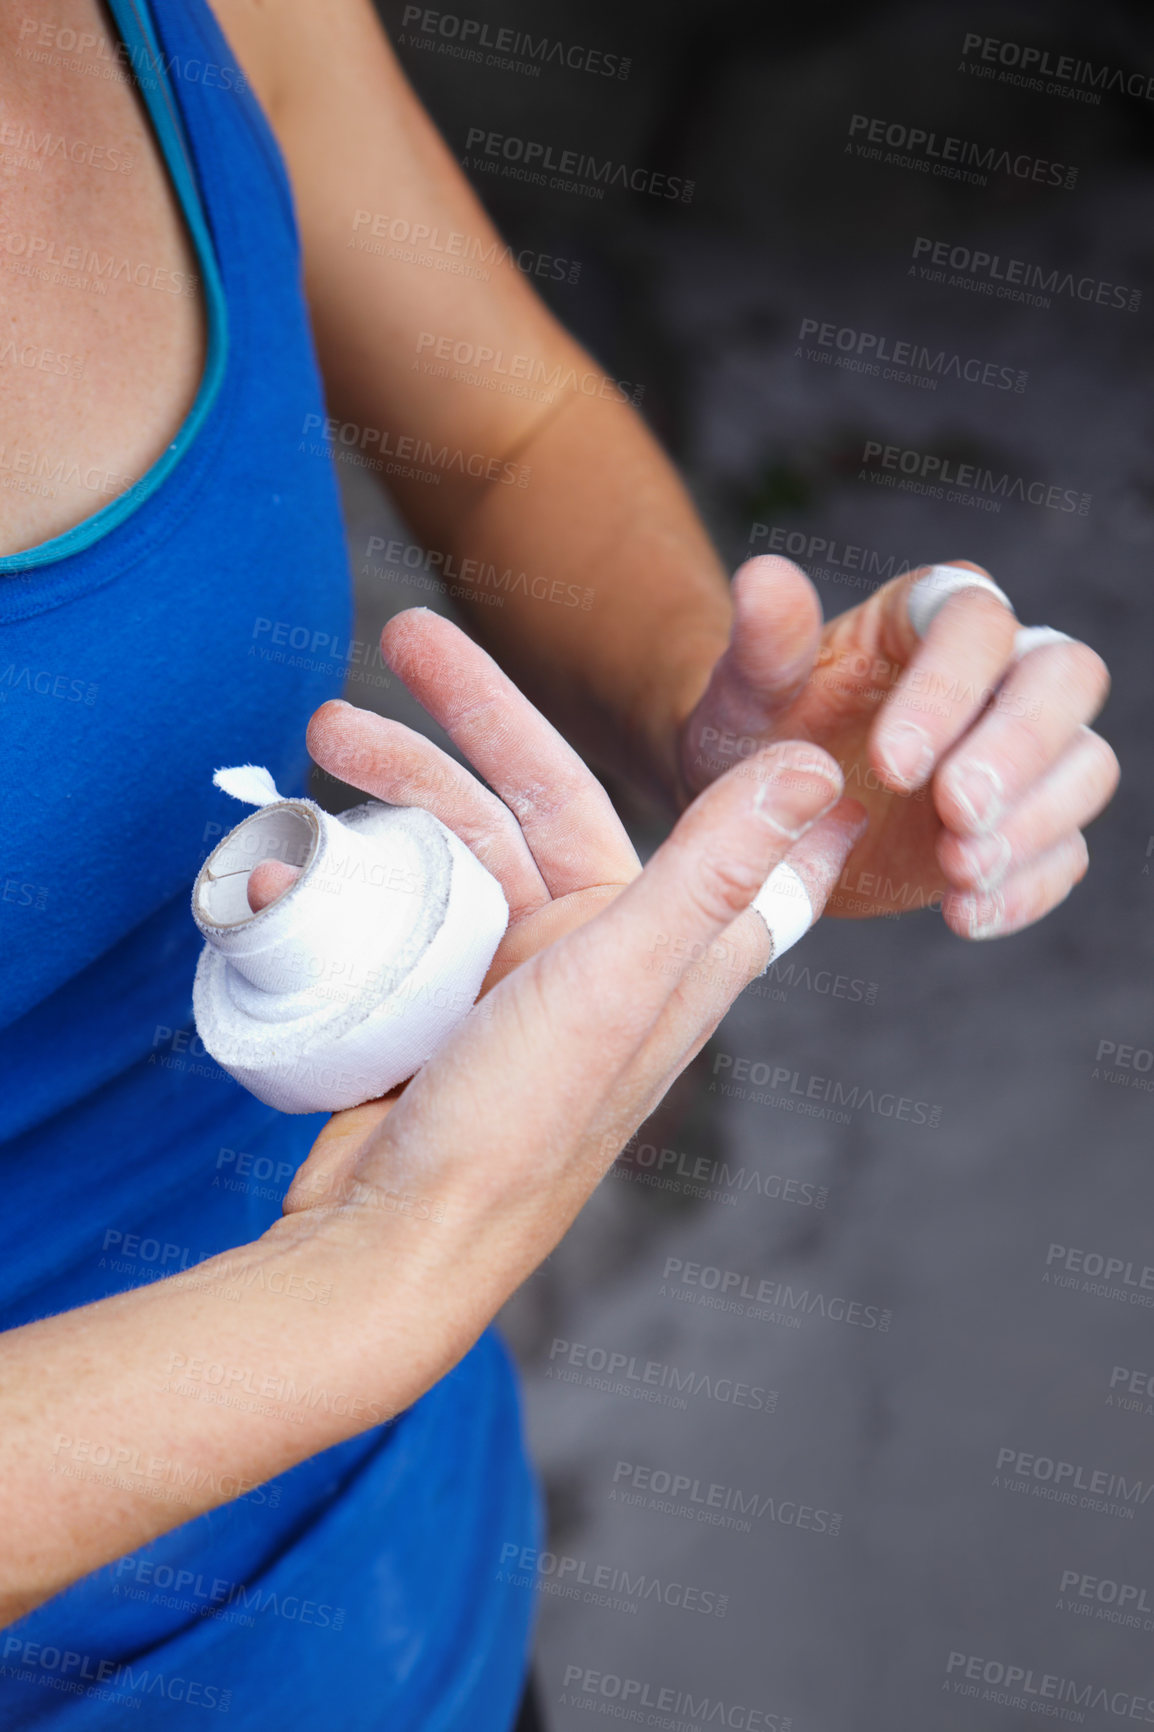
[146, 56]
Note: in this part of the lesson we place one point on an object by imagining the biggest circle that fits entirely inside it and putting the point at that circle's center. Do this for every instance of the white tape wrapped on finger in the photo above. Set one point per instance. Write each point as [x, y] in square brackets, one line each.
[351, 979]
[783, 903]
[930, 594]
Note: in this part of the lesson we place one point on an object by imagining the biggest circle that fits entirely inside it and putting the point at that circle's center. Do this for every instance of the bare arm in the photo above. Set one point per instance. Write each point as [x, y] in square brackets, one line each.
[602, 508]
[670, 674]
[415, 1218]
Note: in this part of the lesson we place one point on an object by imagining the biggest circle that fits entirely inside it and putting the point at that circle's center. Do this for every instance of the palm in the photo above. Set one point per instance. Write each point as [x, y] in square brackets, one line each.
[894, 867]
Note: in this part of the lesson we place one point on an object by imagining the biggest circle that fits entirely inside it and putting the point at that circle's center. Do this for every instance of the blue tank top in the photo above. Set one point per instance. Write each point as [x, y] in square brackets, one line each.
[198, 621]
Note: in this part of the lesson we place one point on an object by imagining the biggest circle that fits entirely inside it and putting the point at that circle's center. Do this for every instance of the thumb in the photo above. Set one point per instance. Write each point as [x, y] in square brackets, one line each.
[772, 648]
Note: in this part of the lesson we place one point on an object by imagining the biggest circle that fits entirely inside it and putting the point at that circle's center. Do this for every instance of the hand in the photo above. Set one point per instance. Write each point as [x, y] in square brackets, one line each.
[978, 773]
[594, 1002]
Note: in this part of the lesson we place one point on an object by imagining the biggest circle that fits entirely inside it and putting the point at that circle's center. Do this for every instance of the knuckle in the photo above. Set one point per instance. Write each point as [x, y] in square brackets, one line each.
[722, 887]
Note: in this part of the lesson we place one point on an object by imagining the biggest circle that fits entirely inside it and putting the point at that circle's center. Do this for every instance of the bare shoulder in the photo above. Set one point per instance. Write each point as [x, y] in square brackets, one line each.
[281, 43]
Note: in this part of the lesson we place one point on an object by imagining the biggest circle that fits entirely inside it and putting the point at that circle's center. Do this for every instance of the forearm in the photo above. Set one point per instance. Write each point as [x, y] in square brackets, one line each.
[623, 606]
[130, 1416]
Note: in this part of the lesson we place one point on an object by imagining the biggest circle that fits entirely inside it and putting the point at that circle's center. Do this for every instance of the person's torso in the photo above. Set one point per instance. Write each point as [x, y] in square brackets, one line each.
[200, 625]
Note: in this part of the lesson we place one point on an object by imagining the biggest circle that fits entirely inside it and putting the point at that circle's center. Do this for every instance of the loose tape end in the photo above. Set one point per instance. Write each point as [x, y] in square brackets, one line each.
[251, 783]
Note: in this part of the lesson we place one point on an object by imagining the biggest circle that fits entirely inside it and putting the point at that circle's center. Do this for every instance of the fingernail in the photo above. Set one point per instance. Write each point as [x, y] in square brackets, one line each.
[978, 790]
[986, 859]
[784, 798]
[984, 915]
[909, 752]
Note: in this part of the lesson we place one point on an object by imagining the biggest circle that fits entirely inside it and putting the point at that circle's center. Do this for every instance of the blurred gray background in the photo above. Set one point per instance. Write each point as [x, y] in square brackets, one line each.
[884, 1546]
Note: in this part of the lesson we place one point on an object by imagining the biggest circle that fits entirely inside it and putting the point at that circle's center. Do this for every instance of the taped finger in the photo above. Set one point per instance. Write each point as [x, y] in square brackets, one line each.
[948, 679]
[795, 893]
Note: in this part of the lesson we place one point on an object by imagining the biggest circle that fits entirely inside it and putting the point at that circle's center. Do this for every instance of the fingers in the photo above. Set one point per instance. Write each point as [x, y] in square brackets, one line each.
[1064, 800]
[1022, 898]
[1037, 714]
[818, 859]
[568, 821]
[542, 1053]
[775, 638]
[721, 968]
[268, 880]
[713, 865]
[521, 1111]
[945, 684]
[391, 762]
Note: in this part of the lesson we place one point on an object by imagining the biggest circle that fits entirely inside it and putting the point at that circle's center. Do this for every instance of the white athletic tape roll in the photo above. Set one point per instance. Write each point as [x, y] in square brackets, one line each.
[350, 980]
[784, 905]
[930, 594]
